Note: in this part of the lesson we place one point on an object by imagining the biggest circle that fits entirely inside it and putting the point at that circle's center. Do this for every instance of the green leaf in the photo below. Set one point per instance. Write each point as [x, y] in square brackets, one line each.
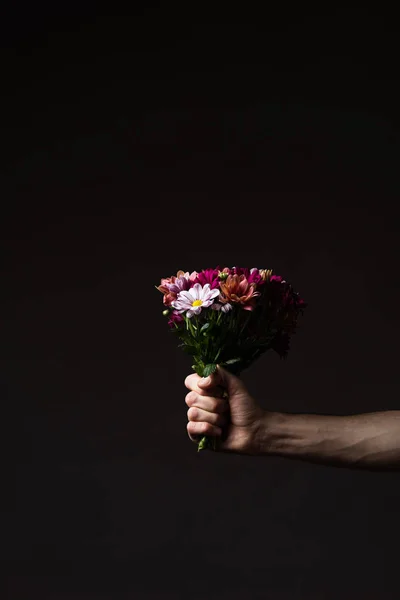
[208, 369]
[217, 355]
[205, 326]
[198, 366]
[231, 361]
[191, 327]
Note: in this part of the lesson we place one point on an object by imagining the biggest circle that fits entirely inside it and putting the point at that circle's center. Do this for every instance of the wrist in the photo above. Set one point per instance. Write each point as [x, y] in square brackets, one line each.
[267, 432]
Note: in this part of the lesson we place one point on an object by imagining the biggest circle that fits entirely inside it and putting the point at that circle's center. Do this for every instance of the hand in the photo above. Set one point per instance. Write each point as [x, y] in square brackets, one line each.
[234, 420]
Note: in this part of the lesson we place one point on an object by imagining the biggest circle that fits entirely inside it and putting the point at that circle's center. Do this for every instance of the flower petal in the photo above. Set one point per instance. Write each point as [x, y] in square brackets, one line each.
[184, 295]
[226, 307]
[179, 305]
[213, 293]
[195, 291]
[207, 303]
[179, 311]
[205, 290]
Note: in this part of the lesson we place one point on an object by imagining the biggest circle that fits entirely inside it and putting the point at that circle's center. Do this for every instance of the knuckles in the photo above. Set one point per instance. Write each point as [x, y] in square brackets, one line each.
[192, 413]
[199, 428]
[190, 398]
[189, 380]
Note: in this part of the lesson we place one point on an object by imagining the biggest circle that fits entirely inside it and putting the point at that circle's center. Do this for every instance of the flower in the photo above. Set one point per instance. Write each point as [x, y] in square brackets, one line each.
[265, 274]
[171, 286]
[193, 300]
[224, 307]
[180, 283]
[277, 278]
[192, 277]
[209, 276]
[174, 318]
[169, 298]
[255, 277]
[237, 289]
[163, 288]
[252, 275]
[241, 271]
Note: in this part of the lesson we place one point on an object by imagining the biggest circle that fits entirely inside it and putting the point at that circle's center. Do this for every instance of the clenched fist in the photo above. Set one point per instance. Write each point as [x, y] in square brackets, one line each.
[220, 406]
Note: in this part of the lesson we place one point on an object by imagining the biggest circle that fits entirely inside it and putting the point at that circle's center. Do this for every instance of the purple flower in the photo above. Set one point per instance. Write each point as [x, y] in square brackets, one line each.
[175, 318]
[255, 277]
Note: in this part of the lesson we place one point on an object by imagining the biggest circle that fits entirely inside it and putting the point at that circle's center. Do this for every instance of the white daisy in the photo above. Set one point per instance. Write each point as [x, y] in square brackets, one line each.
[193, 300]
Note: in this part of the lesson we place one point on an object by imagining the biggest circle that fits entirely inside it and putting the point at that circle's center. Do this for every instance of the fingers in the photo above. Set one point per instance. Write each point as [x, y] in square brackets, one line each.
[197, 430]
[209, 386]
[198, 415]
[212, 404]
[208, 406]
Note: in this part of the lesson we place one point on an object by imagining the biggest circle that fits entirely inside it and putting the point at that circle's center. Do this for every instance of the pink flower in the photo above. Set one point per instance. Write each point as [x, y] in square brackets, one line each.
[195, 299]
[169, 298]
[171, 286]
[181, 283]
[252, 275]
[209, 276]
[192, 277]
[166, 281]
[277, 278]
[255, 277]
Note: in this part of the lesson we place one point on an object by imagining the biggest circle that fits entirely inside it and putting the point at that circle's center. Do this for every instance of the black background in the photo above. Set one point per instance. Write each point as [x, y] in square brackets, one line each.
[139, 143]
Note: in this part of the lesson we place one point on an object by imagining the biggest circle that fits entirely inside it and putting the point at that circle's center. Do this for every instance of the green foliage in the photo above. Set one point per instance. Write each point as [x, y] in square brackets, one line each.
[208, 369]
[231, 361]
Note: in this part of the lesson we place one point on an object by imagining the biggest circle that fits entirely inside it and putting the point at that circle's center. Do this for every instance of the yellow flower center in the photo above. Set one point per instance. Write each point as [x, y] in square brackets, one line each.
[197, 302]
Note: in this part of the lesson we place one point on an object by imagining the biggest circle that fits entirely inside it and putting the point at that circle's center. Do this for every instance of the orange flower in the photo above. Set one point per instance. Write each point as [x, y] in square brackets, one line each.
[237, 289]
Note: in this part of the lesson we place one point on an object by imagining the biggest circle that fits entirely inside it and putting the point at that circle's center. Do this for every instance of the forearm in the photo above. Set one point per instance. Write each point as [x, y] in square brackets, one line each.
[363, 441]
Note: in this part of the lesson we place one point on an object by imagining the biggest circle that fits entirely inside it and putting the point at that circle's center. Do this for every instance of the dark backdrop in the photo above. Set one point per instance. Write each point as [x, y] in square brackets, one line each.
[137, 145]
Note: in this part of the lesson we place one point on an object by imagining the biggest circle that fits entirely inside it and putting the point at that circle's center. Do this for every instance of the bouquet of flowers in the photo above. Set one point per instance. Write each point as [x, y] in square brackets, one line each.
[229, 317]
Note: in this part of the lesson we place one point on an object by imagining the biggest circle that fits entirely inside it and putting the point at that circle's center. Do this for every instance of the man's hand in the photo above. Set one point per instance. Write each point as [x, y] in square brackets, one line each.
[220, 406]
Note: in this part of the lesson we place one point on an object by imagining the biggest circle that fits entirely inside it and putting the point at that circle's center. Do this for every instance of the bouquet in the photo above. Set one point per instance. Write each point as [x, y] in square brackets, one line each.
[230, 317]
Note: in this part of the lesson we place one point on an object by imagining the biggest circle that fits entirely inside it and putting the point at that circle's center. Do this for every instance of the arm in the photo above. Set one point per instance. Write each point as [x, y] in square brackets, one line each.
[365, 441]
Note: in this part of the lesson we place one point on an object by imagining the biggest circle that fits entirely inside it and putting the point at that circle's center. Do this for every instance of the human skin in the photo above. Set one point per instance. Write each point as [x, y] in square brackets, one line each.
[362, 441]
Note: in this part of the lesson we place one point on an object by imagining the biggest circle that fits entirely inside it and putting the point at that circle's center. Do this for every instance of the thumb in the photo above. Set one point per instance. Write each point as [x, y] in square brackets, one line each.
[221, 377]
[230, 382]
